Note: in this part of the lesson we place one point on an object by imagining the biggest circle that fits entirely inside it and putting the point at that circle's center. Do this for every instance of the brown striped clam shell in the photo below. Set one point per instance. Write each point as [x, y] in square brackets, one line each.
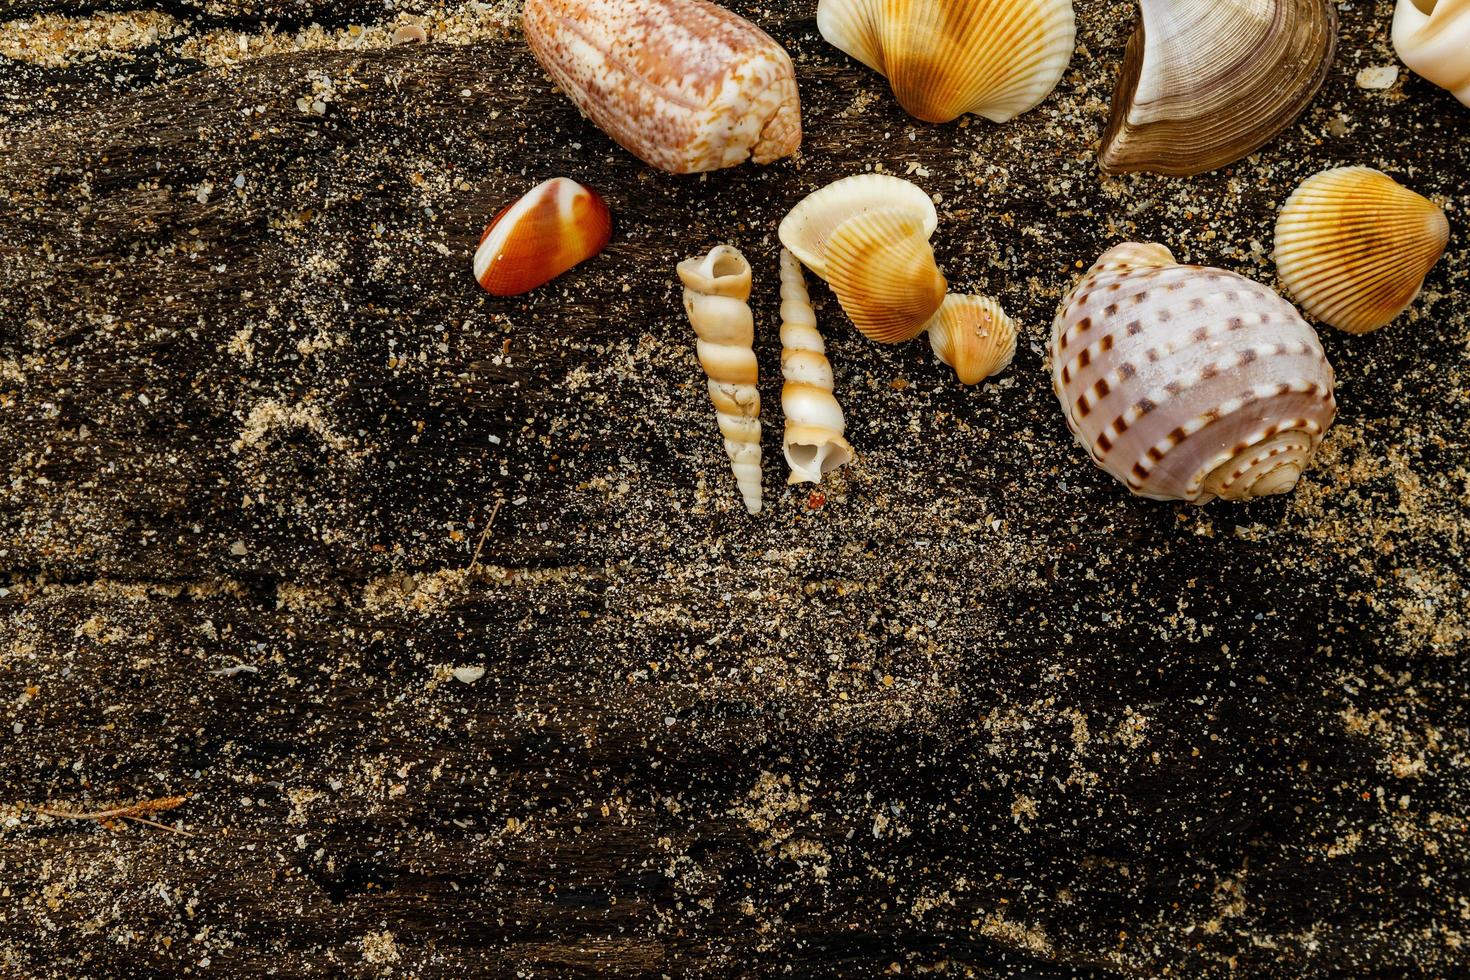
[1207, 82]
[1187, 382]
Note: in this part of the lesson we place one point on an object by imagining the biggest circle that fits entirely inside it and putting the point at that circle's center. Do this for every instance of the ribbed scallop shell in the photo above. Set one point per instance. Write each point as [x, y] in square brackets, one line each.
[1207, 82]
[1187, 382]
[882, 270]
[1353, 247]
[684, 85]
[554, 226]
[944, 58]
[1433, 39]
[973, 335]
[810, 224]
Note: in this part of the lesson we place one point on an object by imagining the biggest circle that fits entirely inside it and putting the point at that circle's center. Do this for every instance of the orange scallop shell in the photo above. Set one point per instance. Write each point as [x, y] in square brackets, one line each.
[555, 226]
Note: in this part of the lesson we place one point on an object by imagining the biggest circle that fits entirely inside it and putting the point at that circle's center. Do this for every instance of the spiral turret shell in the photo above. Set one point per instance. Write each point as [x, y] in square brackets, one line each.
[716, 294]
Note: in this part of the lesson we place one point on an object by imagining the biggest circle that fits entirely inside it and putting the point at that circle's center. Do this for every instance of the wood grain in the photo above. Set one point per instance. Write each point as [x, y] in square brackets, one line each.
[971, 709]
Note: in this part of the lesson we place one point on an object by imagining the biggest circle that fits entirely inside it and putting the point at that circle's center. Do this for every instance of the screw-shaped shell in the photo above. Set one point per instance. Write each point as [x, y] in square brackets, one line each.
[684, 85]
[1187, 382]
[716, 295]
[813, 442]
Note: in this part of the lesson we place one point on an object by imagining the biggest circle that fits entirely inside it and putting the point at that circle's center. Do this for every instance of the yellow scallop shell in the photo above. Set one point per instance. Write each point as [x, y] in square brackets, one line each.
[973, 335]
[1353, 247]
[882, 269]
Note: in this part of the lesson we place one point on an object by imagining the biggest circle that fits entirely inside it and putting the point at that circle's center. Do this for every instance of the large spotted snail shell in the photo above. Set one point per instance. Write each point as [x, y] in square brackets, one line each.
[1189, 383]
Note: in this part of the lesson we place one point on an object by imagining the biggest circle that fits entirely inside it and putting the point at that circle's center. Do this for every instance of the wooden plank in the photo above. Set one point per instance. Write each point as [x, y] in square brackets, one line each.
[973, 708]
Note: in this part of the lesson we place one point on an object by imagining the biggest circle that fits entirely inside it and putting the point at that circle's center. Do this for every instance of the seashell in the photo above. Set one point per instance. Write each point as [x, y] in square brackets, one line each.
[882, 270]
[944, 58]
[1433, 39]
[868, 236]
[683, 85]
[1353, 247]
[716, 288]
[813, 442]
[810, 224]
[1207, 82]
[973, 335]
[1186, 382]
[553, 227]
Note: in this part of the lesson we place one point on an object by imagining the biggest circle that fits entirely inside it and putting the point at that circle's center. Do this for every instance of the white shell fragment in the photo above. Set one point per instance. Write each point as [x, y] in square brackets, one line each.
[716, 291]
[1186, 382]
[1433, 39]
[1378, 78]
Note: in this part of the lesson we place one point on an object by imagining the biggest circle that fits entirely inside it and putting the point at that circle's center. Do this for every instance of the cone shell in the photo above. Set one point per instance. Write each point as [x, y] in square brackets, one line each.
[1207, 82]
[684, 85]
[973, 335]
[1433, 38]
[944, 58]
[806, 230]
[1353, 247]
[555, 226]
[1189, 383]
[880, 266]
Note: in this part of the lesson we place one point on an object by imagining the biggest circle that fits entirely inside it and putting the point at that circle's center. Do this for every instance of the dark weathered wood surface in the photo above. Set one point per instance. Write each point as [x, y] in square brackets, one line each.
[975, 712]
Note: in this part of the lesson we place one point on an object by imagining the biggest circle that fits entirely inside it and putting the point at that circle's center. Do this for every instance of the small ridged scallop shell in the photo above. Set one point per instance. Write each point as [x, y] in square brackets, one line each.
[973, 335]
[684, 85]
[810, 224]
[944, 58]
[1207, 82]
[553, 227]
[1433, 38]
[1353, 247]
[1187, 382]
[882, 270]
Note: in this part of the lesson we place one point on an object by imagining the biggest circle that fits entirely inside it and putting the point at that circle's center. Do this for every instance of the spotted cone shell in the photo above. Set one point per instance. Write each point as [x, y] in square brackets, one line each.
[684, 85]
[1353, 247]
[1186, 382]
